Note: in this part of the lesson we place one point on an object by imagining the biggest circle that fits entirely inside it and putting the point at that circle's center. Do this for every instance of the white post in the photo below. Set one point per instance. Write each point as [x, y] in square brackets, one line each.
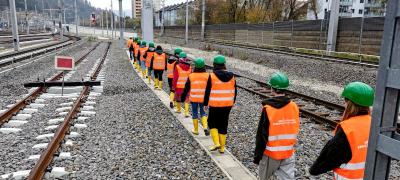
[107, 20]
[60, 4]
[121, 32]
[333, 26]
[76, 19]
[147, 20]
[102, 30]
[26, 18]
[112, 21]
[13, 16]
[203, 24]
[187, 22]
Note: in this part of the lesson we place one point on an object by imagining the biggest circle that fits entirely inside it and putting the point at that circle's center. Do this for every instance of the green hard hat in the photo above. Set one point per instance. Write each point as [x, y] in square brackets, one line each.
[136, 39]
[360, 93]
[151, 44]
[199, 63]
[143, 43]
[177, 51]
[219, 59]
[182, 55]
[139, 42]
[279, 80]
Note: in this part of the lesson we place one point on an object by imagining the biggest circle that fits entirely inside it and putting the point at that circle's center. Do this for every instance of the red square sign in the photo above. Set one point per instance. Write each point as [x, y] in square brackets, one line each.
[64, 63]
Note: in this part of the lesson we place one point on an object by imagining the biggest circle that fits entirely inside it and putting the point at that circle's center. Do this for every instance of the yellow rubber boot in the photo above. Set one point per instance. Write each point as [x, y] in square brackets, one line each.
[149, 78]
[215, 138]
[186, 109]
[146, 71]
[205, 125]
[156, 83]
[195, 130]
[160, 85]
[178, 107]
[171, 99]
[222, 142]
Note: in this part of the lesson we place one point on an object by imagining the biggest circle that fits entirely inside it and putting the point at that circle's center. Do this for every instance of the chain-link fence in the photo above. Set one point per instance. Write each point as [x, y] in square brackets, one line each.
[355, 35]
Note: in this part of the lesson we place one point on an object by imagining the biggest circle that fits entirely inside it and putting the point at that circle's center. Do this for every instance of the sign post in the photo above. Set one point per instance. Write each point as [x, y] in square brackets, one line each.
[65, 64]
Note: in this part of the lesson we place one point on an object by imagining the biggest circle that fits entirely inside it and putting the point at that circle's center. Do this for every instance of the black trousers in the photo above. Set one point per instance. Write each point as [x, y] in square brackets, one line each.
[158, 74]
[170, 84]
[218, 117]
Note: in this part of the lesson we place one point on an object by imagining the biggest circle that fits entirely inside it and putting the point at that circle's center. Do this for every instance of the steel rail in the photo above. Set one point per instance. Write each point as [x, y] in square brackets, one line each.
[47, 156]
[5, 116]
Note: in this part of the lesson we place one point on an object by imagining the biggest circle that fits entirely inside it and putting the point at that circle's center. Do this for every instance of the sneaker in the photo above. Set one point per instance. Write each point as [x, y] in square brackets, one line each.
[171, 105]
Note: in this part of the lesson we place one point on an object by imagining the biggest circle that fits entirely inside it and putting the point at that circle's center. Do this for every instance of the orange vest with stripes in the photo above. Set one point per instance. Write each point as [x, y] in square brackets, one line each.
[198, 84]
[136, 50]
[159, 61]
[222, 93]
[148, 58]
[284, 125]
[183, 76]
[170, 69]
[142, 52]
[357, 133]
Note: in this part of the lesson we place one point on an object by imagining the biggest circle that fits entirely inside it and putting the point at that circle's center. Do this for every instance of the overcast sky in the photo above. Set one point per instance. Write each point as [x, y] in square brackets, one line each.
[126, 4]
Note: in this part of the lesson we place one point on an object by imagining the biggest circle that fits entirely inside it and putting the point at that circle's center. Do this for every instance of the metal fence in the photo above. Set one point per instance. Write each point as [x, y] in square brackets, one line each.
[356, 35]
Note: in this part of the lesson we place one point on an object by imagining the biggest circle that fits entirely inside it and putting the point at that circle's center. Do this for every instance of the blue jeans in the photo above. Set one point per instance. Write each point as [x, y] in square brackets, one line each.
[195, 110]
[131, 55]
[143, 65]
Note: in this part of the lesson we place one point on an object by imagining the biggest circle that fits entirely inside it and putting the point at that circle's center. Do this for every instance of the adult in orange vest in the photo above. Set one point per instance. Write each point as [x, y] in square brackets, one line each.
[346, 152]
[158, 64]
[148, 56]
[136, 54]
[196, 87]
[142, 51]
[130, 46]
[220, 96]
[277, 132]
[172, 61]
[181, 74]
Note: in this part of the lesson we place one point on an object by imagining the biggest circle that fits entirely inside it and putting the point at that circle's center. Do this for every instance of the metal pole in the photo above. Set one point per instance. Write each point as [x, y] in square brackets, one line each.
[13, 17]
[102, 29]
[361, 35]
[333, 26]
[26, 17]
[203, 19]
[112, 21]
[121, 32]
[76, 19]
[187, 22]
[61, 6]
[107, 20]
[43, 15]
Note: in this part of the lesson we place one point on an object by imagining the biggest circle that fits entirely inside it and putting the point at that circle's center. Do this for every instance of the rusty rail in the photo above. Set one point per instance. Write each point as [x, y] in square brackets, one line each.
[5, 116]
[47, 156]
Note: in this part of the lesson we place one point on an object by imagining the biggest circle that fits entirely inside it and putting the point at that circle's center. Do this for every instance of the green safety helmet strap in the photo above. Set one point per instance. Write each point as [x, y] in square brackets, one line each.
[177, 51]
[279, 80]
[219, 59]
[199, 63]
[151, 44]
[360, 93]
[182, 55]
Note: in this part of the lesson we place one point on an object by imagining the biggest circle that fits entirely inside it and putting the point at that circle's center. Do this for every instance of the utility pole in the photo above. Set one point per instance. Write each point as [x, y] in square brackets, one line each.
[60, 5]
[112, 21]
[107, 20]
[26, 18]
[14, 25]
[76, 19]
[121, 32]
[333, 26]
[203, 23]
[102, 29]
[43, 20]
[162, 17]
[147, 20]
[187, 22]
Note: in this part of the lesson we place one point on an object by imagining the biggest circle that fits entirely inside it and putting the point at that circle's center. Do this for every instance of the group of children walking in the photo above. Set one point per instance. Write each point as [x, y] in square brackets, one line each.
[279, 124]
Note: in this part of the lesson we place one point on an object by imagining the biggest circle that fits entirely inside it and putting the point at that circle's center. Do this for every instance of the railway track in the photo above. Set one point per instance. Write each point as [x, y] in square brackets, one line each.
[11, 58]
[47, 156]
[24, 38]
[5, 116]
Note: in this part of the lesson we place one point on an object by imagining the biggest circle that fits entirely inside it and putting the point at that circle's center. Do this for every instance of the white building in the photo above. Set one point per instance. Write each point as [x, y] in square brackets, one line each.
[349, 8]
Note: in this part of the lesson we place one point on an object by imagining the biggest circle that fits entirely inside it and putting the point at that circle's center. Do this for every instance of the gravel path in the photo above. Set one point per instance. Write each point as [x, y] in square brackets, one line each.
[128, 140]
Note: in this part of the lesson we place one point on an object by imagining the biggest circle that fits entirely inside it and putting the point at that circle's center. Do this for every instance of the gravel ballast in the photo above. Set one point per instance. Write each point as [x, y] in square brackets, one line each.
[133, 135]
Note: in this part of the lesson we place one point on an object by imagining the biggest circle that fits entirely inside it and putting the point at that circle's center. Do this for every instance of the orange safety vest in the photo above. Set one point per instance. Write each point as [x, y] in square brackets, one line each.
[222, 93]
[148, 58]
[136, 50]
[198, 84]
[129, 43]
[142, 52]
[284, 125]
[183, 76]
[357, 133]
[170, 69]
[159, 61]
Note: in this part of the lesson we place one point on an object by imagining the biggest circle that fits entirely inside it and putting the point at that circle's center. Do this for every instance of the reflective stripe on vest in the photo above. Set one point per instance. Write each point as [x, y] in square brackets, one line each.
[159, 61]
[183, 76]
[284, 126]
[198, 84]
[357, 133]
[148, 58]
[170, 69]
[142, 52]
[222, 94]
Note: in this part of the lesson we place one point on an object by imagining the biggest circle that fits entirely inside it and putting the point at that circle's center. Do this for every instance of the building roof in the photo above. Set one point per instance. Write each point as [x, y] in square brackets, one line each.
[174, 7]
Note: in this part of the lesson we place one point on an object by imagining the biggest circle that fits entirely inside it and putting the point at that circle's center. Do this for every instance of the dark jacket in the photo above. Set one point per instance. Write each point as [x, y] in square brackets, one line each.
[151, 49]
[336, 152]
[263, 126]
[152, 59]
[222, 75]
[187, 84]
